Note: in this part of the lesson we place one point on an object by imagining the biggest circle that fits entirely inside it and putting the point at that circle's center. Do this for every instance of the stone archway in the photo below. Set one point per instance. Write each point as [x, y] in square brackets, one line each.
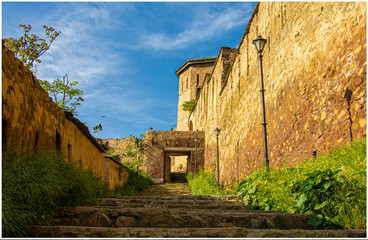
[160, 145]
[168, 171]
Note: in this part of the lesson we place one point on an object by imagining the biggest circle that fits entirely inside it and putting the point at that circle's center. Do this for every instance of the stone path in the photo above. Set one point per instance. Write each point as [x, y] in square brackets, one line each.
[169, 210]
[167, 189]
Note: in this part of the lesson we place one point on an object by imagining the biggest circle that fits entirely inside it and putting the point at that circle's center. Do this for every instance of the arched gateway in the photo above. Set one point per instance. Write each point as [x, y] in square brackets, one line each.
[159, 146]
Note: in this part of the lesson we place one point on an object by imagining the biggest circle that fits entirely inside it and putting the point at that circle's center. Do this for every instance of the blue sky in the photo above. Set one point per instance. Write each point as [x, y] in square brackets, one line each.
[124, 54]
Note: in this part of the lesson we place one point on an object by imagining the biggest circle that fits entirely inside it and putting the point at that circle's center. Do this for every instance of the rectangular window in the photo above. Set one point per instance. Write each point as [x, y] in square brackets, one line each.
[58, 142]
[187, 82]
[197, 79]
[69, 152]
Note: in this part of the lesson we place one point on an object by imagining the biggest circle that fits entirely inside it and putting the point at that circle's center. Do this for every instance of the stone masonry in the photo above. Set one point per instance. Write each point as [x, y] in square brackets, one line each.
[191, 76]
[314, 66]
[160, 145]
[31, 121]
[169, 211]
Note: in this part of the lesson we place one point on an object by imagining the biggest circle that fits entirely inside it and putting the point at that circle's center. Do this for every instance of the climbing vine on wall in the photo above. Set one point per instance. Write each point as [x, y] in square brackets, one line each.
[189, 105]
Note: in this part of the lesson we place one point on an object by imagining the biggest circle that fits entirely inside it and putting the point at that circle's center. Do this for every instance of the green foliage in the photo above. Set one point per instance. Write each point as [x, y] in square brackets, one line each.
[29, 47]
[333, 187]
[205, 183]
[138, 149]
[33, 184]
[189, 105]
[64, 93]
[116, 157]
[137, 182]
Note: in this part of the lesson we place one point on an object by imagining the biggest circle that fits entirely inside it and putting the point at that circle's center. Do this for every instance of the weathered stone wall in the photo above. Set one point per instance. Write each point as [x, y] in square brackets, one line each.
[32, 122]
[160, 145]
[315, 80]
[120, 147]
[116, 174]
[191, 75]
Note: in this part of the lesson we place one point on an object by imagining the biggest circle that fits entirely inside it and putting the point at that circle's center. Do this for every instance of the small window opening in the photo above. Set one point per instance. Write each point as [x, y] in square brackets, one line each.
[36, 141]
[4, 133]
[58, 141]
[69, 152]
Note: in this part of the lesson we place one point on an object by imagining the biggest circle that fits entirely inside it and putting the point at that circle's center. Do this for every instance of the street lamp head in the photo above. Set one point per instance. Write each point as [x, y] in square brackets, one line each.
[195, 139]
[217, 131]
[151, 128]
[259, 43]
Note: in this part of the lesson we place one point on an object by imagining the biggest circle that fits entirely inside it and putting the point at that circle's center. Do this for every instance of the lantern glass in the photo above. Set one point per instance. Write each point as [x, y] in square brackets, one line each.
[195, 139]
[217, 131]
[259, 43]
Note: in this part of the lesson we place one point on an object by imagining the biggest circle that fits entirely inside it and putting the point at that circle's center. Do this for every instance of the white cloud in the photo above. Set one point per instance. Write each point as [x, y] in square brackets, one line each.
[82, 49]
[205, 24]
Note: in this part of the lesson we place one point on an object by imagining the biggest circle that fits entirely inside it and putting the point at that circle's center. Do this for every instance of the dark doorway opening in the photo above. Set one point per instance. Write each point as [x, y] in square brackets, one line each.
[176, 166]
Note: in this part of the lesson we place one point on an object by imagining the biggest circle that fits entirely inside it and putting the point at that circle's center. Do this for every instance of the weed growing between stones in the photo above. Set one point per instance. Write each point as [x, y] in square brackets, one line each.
[333, 186]
[137, 182]
[33, 184]
[205, 183]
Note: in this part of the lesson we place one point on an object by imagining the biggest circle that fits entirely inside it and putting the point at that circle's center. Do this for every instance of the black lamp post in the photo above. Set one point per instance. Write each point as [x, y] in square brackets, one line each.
[137, 143]
[259, 43]
[217, 133]
[97, 129]
[195, 161]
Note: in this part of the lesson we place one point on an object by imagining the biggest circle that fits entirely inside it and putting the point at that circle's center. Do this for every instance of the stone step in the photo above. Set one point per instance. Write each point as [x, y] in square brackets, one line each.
[176, 218]
[188, 202]
[181, 197]
[232, 232]
[177, 177]
[209, 206]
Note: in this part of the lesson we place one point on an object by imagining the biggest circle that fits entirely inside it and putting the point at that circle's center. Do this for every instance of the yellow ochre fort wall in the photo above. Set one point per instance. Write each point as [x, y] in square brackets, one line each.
[32, 122]
[314, 66]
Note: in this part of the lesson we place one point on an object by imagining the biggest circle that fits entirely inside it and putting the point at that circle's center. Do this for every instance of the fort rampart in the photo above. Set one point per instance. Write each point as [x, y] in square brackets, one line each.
[31, 121]
[314, 66]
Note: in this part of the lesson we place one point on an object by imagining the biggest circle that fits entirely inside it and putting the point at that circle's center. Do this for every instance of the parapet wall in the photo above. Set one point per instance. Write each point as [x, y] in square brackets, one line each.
[122, 146]
[314, 66]
[32, 122]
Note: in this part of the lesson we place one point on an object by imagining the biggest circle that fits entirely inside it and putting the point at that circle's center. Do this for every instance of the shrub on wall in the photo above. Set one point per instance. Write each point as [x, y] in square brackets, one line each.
[33, 184]
[189, 105]
[205, 183]
[333, 187]
[137, 182]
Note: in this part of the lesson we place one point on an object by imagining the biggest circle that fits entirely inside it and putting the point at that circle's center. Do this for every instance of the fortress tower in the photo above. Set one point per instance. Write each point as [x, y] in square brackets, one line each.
[191, 77]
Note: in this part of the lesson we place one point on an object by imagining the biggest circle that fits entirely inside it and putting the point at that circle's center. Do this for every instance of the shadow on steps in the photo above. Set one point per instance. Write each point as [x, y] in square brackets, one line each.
[178, 177]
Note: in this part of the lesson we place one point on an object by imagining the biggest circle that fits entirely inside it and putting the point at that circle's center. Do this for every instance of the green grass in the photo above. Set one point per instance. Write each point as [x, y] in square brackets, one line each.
[332, 186]
[33, 184]
[205, 183]
[137, 182]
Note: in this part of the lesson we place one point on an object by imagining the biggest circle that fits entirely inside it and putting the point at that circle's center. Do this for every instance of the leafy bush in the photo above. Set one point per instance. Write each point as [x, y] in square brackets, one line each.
[137, 182]
[189, 105]
[333, 186]
[205, 183]
[33, 184]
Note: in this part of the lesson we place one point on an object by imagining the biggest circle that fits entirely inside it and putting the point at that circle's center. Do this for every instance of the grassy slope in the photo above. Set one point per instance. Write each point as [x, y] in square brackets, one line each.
[333, 186]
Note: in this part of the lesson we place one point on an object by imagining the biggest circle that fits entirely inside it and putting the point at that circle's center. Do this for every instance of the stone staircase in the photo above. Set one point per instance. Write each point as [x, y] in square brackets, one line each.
[178, 177]
[179, 216]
